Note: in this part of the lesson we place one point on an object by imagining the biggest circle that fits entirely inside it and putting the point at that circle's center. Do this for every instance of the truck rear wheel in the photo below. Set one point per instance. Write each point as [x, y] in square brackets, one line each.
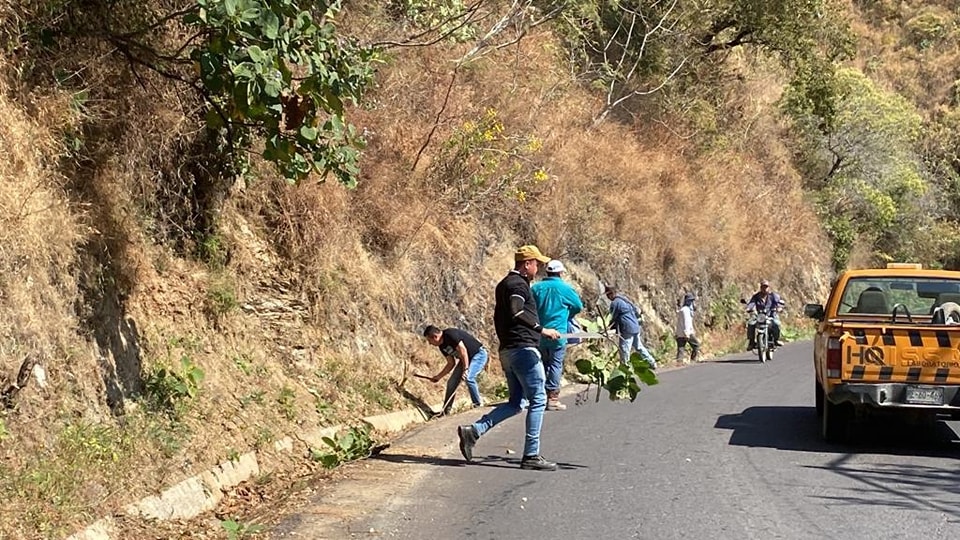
[835, 421]
[818, 393]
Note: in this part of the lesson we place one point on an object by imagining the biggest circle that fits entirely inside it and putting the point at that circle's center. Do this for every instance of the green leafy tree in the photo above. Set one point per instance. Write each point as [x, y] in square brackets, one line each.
[278, 70]
[274, 76]
[863, 163]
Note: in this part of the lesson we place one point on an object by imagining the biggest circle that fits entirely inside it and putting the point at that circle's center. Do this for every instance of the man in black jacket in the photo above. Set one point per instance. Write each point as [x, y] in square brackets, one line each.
[518, 330]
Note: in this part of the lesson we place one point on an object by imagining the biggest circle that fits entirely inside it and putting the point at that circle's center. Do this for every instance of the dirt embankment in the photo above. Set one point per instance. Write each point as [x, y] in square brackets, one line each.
[161, 351]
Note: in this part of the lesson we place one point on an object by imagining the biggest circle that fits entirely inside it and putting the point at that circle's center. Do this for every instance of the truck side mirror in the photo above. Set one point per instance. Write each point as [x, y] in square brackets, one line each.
[813, 311]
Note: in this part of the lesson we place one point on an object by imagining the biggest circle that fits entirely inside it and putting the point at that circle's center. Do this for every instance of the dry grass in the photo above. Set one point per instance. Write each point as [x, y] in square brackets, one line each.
[39, 233]
[923, 72]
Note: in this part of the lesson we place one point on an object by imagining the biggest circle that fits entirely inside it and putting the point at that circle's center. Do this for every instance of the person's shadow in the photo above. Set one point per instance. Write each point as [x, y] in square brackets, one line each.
[495, 461]
[418, 402]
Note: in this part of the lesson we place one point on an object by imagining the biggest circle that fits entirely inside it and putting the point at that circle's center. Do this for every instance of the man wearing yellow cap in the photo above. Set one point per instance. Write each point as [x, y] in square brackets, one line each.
[518, 329]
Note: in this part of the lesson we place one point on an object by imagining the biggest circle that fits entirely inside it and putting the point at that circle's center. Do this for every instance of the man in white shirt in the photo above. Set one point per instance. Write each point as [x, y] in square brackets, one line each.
[684, 330]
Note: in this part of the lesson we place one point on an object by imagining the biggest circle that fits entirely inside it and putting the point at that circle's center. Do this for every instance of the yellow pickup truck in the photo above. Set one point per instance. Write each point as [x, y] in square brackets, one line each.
[887, 339]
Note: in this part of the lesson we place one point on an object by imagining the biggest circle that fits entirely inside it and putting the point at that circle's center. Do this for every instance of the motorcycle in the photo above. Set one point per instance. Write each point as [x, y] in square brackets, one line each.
[761, 321]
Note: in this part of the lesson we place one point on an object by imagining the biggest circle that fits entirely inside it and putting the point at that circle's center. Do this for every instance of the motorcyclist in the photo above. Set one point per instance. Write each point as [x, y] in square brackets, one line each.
[768, 302]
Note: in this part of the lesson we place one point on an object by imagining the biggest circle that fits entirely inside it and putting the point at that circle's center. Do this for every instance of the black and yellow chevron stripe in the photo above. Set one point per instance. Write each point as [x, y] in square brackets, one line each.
[904, 374]
[895, 337]
[902, 355]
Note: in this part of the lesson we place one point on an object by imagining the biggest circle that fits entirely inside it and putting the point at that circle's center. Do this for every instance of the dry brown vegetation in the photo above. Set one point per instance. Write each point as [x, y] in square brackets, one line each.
[307, 301]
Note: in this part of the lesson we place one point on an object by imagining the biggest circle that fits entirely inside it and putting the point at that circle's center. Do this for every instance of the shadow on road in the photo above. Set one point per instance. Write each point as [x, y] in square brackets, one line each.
[798, 429]
[745, 360]
[889, 477]
[896, 484]
[495, 461]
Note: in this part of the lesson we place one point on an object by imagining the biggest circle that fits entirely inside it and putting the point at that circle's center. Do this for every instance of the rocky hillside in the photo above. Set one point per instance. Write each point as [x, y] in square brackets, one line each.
[199, 254]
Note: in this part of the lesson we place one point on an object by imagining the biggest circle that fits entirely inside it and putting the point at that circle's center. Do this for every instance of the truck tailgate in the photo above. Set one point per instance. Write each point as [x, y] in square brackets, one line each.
[907, 354]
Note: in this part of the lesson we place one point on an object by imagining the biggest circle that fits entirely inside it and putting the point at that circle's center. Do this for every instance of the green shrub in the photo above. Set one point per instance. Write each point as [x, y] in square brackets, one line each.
[287, 403]
[212, 251]
[928, 28]
[237, 529]
[221, 296]
[168, 390]
[353, 445]
[604, 369]
[253, 397]
[725, 309]
[445, 15]
[483, 164]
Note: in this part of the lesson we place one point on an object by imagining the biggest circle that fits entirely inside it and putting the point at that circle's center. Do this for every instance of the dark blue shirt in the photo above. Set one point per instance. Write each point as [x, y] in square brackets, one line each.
[766, 305]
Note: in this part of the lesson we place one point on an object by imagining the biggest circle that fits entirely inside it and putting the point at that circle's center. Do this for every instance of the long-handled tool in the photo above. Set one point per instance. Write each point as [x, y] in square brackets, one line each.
[446, 403]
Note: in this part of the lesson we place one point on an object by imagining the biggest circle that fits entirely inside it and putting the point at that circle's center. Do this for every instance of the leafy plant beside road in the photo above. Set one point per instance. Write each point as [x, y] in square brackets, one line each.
[603, 369]
[355, 444]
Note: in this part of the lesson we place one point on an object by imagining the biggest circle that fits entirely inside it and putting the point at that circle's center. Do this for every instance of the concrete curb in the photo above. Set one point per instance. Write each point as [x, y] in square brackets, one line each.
[201, 493]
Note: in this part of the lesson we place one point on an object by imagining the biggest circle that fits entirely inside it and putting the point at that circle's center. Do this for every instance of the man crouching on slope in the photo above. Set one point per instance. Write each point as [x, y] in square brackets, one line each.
[518, 330]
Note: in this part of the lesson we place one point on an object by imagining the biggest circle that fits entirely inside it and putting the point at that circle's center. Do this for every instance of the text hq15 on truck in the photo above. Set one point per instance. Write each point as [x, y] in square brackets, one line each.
[888, 339]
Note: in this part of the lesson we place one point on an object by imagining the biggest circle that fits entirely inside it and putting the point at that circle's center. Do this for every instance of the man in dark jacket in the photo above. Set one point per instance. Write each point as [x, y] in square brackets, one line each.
[518, 330]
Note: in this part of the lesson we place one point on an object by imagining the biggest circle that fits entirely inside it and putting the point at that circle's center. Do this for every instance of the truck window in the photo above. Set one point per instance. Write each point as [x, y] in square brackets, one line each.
[876, 296]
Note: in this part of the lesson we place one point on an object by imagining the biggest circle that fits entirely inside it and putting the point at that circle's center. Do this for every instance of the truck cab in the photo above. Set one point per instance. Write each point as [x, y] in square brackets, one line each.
[887, 338]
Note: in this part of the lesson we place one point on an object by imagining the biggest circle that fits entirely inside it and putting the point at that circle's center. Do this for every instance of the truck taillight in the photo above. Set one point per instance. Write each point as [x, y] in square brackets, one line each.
[833, 358]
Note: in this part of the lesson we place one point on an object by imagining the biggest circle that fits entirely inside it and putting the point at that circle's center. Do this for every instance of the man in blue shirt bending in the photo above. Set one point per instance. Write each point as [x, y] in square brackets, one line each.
[626, 319]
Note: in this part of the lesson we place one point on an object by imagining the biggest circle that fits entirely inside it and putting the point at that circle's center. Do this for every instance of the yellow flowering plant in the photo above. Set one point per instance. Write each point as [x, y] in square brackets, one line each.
[483, 163]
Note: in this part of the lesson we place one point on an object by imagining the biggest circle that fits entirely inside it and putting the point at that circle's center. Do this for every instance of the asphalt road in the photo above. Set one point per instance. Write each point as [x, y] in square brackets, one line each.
[724, 449]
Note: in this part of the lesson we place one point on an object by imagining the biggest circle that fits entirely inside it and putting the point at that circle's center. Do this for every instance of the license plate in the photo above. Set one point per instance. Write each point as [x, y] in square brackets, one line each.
[925, 395]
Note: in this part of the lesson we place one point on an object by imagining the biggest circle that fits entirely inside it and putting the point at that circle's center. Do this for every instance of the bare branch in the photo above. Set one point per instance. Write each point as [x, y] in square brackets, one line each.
[467, 16]
[613, 104]
[517, 16]
[160, 22]
[436, 121]
[633, 34]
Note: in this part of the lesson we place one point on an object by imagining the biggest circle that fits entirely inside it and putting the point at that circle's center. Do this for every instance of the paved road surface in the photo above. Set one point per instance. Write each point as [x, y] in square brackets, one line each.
[725, 449]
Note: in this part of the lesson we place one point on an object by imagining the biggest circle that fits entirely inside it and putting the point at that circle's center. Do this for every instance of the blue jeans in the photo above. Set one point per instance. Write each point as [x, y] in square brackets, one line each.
[525, 378]
[553, 366]
[477, 363]
[633, 341]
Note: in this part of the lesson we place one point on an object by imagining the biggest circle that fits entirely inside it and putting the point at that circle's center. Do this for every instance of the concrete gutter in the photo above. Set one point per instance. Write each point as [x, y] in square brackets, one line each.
[202, 493]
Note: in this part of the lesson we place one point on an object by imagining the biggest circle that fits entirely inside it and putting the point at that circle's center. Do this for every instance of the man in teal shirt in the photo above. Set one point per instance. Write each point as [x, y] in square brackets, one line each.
[557, 302]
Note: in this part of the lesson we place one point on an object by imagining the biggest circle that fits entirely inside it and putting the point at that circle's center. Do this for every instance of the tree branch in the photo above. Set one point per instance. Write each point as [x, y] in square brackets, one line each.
[436, 121]
[738, 40]
[467, 14]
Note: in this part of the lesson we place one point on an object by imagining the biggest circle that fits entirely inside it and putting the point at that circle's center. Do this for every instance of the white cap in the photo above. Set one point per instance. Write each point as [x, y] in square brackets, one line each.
[555, 267]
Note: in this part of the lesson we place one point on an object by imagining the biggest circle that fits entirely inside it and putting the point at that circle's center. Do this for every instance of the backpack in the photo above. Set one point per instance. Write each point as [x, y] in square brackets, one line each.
[636, 310]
